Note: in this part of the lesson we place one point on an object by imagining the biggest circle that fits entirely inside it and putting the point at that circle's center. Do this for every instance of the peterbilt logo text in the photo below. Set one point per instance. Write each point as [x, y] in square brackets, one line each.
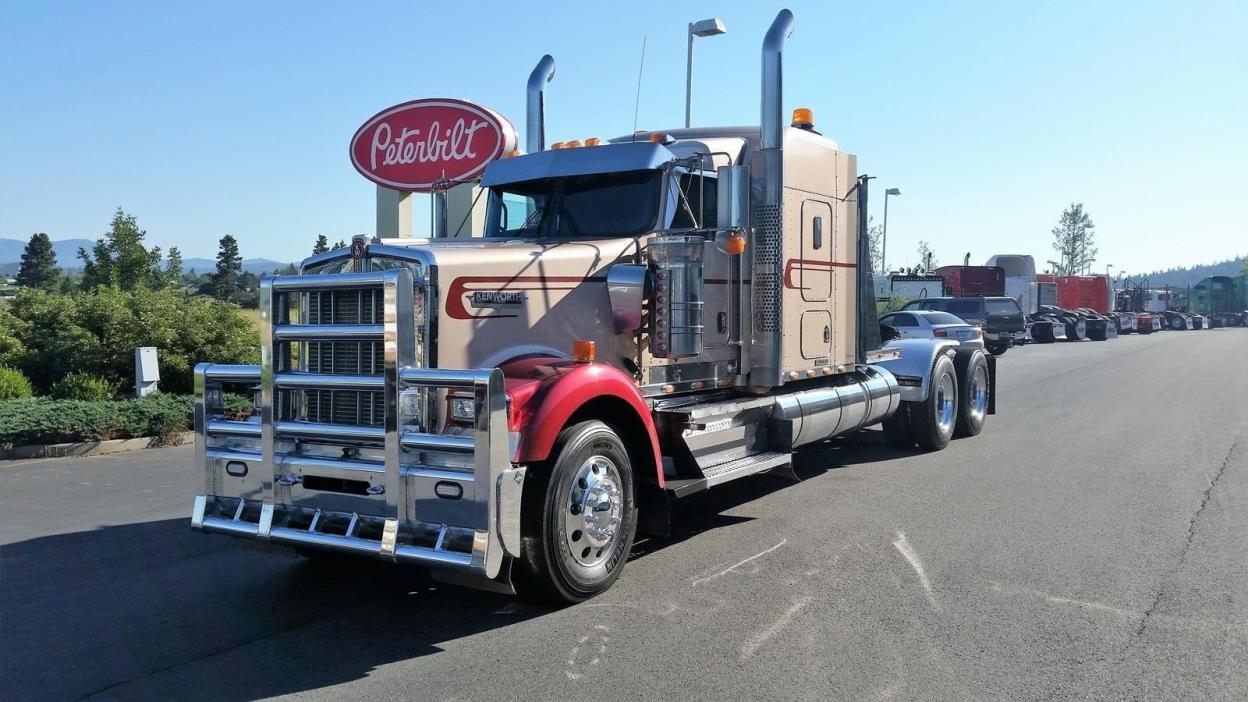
[411, 146]
[415, 146]
[496, 298]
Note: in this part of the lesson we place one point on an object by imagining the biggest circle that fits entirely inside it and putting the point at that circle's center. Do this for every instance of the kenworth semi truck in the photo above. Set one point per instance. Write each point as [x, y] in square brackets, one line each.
[641, 320]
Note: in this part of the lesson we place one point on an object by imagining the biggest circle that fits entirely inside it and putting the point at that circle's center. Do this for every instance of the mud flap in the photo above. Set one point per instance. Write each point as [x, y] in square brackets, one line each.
[992, 383]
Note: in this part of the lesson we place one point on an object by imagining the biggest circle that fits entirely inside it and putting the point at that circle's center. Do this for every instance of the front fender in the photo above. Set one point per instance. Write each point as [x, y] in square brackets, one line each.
[915, 364]
[545, 392]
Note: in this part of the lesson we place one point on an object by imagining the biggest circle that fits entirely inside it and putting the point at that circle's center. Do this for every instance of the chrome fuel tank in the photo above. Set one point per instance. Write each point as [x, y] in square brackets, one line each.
[806, 416]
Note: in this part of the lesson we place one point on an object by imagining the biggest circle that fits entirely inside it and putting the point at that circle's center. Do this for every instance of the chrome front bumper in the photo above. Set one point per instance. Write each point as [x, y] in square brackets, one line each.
[394, 492]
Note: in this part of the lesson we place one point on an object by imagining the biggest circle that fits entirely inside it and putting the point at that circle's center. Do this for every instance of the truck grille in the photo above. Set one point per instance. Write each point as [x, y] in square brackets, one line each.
[357, 407]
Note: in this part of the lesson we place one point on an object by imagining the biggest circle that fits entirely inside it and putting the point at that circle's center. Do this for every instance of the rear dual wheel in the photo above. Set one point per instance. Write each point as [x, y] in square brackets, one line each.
[972, 369]
[578, 518]
[931, 422]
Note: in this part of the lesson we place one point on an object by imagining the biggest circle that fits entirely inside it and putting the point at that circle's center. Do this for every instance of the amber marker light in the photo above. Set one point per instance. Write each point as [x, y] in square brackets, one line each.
[735, 244]
[583, 350]
[557, 145]
[573, 144]
[593, 141]
[803, 117]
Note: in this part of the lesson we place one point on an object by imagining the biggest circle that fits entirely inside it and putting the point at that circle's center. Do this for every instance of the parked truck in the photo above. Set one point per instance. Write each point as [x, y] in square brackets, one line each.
[511, 410]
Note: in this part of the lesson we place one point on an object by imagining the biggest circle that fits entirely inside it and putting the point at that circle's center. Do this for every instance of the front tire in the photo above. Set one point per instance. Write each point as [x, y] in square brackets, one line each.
[578, 518]
[932, 421]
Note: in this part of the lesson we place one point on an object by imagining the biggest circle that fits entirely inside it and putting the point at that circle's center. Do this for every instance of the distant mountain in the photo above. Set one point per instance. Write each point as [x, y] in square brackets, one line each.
[67, 258]
[1183, 277]
[252, 265]
[66, 252]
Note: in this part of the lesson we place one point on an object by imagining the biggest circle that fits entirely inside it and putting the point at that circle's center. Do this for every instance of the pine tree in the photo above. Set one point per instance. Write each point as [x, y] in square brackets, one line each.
[38, 269]
[120, 258]
[340, 244]
[173, 268]
[321, 246]
[229, 267]
[1072, 239]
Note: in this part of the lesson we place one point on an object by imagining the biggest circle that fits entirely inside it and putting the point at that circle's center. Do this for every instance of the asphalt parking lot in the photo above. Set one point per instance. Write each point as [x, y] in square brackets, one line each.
[1091, 544]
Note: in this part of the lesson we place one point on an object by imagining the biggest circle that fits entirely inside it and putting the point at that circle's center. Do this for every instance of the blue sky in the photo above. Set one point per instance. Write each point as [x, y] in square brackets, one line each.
[211, 118]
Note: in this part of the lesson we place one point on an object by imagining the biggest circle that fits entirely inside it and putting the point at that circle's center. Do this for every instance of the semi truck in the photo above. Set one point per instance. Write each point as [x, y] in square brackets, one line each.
[1222, 299]
[642, 320]
[908, 286]
[984, 281]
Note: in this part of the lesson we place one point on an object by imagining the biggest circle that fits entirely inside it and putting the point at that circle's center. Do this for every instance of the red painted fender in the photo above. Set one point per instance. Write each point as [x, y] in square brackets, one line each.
[545, 392]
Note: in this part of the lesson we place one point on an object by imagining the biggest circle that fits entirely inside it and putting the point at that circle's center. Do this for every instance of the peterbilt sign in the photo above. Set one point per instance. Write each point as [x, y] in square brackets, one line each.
[412, 146]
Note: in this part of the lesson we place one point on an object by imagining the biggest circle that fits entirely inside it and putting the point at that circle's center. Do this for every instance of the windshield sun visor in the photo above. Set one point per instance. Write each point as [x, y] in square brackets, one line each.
[611, 158]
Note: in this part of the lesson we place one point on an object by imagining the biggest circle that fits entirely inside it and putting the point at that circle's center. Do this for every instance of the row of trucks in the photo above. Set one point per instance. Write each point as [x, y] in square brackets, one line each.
[1078, 307]
[640, 320]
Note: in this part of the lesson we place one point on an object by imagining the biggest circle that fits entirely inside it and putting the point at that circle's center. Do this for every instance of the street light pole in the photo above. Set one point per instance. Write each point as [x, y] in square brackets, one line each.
[701, 28]
[884, 243]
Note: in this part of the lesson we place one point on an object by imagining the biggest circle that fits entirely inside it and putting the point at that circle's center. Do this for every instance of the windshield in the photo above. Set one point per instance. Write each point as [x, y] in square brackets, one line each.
[1004, 306]
[576, 207]
[942, 318]
[964, 307]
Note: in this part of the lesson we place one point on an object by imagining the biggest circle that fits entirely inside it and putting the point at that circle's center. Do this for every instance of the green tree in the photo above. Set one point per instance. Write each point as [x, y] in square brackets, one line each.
[321, 246]
[229, 267]
[96, 333]
[38, 269]
[120, 258]
[1073, 241]
[927, 257]
[340, 244]
[173, 268]
[875, 238]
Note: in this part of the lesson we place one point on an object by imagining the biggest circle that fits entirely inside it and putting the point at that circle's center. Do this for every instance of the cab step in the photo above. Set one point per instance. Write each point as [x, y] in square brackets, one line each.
[728, 471]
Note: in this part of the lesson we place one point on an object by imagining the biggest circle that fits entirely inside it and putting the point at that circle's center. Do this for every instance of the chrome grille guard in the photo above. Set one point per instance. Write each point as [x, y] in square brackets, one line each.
[407, 516]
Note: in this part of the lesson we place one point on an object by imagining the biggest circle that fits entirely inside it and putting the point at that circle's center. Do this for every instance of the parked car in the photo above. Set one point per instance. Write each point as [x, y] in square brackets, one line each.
[925, 324]
[1000, 318]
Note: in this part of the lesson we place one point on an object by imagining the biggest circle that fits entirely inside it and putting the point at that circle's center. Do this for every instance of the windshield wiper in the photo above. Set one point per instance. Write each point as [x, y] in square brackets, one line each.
[563, 209]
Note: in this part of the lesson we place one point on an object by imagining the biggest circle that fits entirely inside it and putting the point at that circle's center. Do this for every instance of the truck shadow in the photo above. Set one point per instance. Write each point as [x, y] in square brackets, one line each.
[152, 610]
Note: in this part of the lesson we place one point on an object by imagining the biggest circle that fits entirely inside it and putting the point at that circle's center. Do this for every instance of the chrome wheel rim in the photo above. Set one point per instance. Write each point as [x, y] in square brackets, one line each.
[946, 403]
[591, 517]
[979, 394]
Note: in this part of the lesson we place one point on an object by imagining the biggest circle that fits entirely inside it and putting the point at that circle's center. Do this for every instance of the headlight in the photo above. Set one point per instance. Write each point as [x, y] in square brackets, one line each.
[462, 409]
[419, 324]
[412, 406]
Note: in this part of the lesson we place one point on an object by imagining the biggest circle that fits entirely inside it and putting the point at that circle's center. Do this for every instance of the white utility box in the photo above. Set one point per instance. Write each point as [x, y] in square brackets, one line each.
[146, 371]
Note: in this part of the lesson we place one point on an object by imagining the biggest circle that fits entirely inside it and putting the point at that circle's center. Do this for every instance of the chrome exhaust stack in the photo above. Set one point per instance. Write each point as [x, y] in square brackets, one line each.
[768, 210]
[535, 112]
[812, 415]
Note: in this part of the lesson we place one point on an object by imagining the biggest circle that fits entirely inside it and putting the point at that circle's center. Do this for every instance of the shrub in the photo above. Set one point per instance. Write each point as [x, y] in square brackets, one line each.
[96, 332]
[43, 420]
[82, 386]
[49, 421]
[14, 385]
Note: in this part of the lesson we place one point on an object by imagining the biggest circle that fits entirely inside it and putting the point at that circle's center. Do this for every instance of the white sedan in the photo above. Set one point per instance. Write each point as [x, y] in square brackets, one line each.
[932, 324]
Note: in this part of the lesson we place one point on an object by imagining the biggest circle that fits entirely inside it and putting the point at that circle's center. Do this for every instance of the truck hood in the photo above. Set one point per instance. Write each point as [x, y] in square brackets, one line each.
[499, 299]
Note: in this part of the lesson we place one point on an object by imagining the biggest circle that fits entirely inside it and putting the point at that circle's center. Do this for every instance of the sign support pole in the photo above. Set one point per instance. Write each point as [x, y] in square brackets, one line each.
[394, 213]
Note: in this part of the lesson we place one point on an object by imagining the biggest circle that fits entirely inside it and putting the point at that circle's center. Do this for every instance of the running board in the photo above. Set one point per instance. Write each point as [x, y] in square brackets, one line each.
[728, 471]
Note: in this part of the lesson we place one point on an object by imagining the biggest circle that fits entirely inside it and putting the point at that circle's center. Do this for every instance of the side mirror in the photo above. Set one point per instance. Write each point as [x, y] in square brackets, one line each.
[733, 183]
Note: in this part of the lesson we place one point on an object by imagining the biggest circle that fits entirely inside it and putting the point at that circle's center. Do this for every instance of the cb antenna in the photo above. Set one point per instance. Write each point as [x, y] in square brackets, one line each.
[637, 102]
